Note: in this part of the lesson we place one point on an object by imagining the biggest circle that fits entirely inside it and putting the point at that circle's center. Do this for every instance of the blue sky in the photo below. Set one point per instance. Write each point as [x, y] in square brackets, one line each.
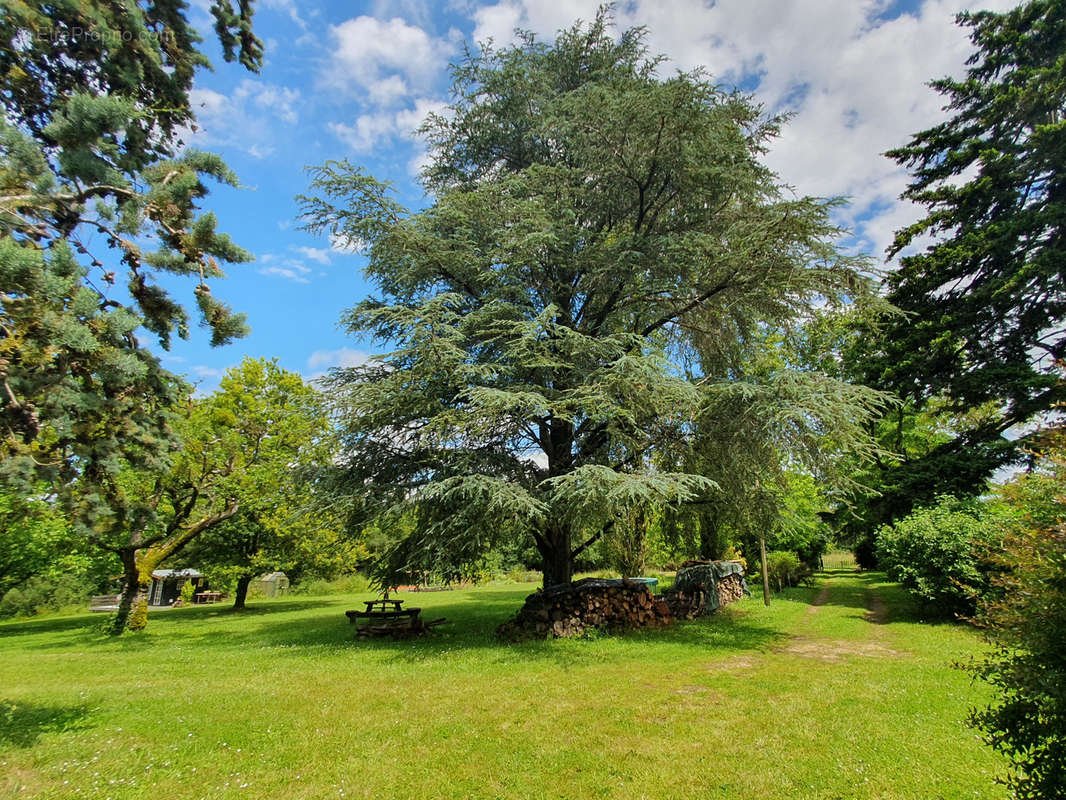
[353, 80]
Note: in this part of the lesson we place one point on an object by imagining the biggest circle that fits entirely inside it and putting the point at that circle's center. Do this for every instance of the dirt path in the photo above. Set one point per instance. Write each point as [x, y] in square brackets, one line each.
[821, 599]
[878, 613]
[808, 643]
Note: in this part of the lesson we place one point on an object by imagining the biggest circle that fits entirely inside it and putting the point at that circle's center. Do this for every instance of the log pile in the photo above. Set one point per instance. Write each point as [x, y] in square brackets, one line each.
[572, 608]
[686, 605]
[702, 587]
[730, 589]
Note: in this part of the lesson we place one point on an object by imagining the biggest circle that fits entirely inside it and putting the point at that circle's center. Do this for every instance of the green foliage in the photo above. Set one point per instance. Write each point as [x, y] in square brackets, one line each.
[986, 301]
[278, 418]
[627, 544]
[95, 96]
[43, 559]
[783, 435]
[936, 552]
[1024, 618]
[41, 593]
[601, 242]
[784, 569]
[318, 586]
[188, 589]
[240, 450]
[145, 53]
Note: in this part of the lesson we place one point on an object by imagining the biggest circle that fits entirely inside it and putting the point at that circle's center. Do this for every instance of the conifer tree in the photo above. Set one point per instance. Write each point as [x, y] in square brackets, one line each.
[598, 234]
[986, 301]
[97, 199]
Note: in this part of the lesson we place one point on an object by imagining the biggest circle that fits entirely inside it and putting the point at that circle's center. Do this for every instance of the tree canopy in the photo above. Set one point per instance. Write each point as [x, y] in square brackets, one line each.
[601, 244]
[985, 301]
[97, 200]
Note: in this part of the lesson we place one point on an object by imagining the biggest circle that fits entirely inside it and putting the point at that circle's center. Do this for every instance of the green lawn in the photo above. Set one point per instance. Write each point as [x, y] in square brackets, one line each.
[797, 700]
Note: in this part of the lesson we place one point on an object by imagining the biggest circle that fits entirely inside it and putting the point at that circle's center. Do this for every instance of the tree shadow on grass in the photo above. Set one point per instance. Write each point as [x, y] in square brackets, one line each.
[93, 629]
[472, 622]
[899, 605]
[22, 724]
[876, 599]
[94, 624]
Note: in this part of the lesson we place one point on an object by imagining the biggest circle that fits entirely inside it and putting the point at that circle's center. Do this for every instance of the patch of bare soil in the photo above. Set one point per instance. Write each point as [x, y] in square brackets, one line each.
[820, 600]
[835, 649]
[878, 613]
[730, 664]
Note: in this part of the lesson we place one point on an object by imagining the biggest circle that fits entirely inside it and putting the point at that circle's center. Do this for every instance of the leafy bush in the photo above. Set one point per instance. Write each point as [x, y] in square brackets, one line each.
[39, 594]
[937, 552]
[785, 569]
[1025, 621]
[349, 584]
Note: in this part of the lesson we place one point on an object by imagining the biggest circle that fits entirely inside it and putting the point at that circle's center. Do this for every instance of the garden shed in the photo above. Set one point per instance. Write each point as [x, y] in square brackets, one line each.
[167, 583]
[273, 585]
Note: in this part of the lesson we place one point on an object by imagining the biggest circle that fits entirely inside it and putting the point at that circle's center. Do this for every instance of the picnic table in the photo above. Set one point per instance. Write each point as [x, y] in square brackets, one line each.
[207, 597]
[388, 617]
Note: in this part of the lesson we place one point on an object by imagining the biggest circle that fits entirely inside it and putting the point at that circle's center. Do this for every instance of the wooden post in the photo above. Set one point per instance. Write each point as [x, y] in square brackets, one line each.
[765, 573]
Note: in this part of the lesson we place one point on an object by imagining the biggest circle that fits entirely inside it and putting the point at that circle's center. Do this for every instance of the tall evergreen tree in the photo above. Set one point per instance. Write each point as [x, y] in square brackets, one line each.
[597, 234]
[987, 300]
[95, 193]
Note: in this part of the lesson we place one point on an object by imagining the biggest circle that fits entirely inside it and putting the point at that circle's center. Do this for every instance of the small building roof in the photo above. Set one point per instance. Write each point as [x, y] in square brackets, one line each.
[176, 573]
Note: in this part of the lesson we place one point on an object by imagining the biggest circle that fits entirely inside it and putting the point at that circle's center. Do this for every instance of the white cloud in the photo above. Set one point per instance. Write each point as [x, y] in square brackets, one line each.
[368, 131]
[277, 100]
[385, 61]
[319, 254]
[246, 118]
[321, 361]
[343, 357]
[416, 11]
[288, 8]
[339, 243]
[297, 272]
[543, 17]
[283, 267]
[379, 128]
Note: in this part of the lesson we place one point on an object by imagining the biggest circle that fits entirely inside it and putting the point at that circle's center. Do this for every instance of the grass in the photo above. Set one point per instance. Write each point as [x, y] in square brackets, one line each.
[281, 702]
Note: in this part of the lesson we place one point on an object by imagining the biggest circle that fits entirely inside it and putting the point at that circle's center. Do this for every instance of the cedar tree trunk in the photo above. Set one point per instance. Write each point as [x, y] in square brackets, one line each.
[558, 559]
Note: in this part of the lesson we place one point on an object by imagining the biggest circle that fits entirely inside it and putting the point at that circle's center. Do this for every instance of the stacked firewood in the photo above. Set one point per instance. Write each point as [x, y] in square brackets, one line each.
[572, 608]
[730, 589]
[686, 605]
[702, 587]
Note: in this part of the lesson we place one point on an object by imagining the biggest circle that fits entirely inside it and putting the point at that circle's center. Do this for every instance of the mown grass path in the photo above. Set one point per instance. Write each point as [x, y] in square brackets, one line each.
[849, 698]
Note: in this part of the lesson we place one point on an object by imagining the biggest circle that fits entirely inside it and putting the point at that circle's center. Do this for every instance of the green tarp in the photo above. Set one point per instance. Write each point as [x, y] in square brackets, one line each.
[706, 577]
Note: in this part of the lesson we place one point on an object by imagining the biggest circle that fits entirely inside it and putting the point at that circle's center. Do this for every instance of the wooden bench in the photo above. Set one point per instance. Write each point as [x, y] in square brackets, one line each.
[396, 618]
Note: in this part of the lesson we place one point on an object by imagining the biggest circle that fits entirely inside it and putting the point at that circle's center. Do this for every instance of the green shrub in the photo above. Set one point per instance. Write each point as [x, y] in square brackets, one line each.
[784, 569]
[1024, 619]
[348, 584]
[937, 553]
[40, 594]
